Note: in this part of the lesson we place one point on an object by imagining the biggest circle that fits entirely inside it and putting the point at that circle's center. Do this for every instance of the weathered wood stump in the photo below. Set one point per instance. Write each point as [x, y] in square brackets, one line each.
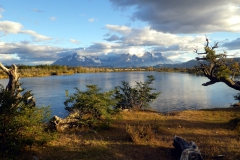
[13, 76]
[14, 85]
[188, 150]
[62, 124]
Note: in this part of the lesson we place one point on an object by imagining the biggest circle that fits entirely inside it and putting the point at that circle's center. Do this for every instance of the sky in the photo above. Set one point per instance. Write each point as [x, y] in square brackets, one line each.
[34, 32]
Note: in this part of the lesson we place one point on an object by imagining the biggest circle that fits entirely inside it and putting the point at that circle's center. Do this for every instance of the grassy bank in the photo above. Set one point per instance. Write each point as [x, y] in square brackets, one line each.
[48, 70]
[149, 135]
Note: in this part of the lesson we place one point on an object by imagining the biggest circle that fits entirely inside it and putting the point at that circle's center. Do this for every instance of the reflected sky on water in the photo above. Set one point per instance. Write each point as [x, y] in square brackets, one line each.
[179, 91]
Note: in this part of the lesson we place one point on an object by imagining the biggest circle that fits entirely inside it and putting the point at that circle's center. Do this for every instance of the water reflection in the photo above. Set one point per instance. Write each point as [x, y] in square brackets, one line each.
[178, 91]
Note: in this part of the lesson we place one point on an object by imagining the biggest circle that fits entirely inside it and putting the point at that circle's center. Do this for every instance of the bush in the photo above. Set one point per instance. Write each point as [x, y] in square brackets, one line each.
[137, 97]
[21, 123]
[141, 133]
[91, 106]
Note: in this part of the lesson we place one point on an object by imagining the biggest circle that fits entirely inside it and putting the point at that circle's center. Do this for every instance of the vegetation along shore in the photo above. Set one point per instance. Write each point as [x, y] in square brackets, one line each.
[51, 70]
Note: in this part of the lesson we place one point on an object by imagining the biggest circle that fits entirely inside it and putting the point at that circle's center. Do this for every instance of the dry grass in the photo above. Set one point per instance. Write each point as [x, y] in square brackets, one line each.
[149, 135]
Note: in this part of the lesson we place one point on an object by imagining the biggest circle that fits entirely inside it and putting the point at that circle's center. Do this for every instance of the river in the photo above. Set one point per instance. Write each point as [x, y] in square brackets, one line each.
[179, 91]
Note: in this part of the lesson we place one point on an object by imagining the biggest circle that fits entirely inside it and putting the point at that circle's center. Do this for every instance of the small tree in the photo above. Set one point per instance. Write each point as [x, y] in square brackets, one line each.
[21, 124]
[90, 106]
[217, 67]
[137, 97]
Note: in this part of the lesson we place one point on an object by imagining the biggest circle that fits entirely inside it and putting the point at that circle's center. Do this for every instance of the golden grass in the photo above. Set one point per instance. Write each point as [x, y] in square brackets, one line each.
[209, 129]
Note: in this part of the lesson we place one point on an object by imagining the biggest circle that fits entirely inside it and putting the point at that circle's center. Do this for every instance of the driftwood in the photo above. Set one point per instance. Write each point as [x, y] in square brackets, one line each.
[62, 124]
[188, 150]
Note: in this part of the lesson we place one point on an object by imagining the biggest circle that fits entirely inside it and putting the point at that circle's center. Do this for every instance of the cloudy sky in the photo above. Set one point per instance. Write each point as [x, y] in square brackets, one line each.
[41, 31]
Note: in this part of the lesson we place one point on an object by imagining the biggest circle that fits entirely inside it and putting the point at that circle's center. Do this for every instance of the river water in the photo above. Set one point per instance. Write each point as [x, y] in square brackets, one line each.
[179, 91]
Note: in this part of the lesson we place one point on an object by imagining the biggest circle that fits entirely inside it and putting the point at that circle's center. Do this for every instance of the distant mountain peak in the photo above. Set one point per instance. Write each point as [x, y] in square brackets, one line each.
[123, 60]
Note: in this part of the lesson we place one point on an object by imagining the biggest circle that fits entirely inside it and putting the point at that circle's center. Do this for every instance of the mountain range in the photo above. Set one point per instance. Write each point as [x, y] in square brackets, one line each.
[121, 60]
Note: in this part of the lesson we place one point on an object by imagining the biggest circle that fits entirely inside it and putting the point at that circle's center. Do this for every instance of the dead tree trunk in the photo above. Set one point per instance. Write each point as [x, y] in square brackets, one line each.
[14, 85]
[13, 75]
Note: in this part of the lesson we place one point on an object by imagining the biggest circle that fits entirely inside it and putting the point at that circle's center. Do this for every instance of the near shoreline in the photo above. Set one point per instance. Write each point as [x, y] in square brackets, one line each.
[149, 135]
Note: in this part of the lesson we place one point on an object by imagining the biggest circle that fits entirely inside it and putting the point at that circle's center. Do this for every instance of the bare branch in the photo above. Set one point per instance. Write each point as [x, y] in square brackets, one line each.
[199, 59]
[6, 70]
[209, 83]
[215, 45]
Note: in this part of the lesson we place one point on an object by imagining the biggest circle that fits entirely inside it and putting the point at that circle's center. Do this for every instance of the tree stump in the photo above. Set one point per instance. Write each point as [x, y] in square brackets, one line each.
[13, 76]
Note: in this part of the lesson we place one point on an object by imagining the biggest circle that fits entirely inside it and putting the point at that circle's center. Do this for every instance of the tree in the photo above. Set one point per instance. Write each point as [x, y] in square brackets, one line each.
[137, 97]
[21, 122]
[217, 67]
[90, 106]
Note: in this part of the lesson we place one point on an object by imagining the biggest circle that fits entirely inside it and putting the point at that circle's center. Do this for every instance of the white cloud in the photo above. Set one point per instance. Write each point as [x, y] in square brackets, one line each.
[92, 20]
[35, 36]
[74, 41]
[139, 40]
[149, 37]
[99, 48]
[119, 29]
[9, 57]
[16, 28]
[29, 53]
[10, 27]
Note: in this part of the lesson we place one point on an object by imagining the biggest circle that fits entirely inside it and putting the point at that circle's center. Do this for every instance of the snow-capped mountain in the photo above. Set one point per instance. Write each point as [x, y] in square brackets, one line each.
[78, 60]
[122, 60]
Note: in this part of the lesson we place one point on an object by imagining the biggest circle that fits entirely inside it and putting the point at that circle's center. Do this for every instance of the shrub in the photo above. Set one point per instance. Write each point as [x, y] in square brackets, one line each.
[21, 123]
[90, 106]
[137, 97]
[141, 133]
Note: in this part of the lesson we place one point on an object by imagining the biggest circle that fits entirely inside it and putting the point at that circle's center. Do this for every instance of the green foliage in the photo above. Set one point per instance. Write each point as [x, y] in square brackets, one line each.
[90, 106]
[223, 72]
[21, 124]
[218, 65]
[211, 54]
[137, 97]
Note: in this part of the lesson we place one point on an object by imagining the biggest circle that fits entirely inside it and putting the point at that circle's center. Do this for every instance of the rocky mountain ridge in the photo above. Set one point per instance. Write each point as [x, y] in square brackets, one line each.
[122, 60]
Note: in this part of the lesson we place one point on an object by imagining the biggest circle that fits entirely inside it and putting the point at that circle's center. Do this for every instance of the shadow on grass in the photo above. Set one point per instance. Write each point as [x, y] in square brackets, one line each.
[110, 152]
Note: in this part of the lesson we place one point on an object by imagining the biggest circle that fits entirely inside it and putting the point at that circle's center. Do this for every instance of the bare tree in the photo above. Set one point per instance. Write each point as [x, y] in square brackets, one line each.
[13, 75]
[14, 85]
[217, 67]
